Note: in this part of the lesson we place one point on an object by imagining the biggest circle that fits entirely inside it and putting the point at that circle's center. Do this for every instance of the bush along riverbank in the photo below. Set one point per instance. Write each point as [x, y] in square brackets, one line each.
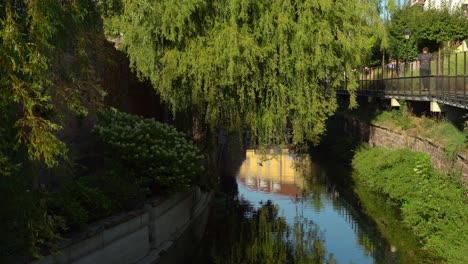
[432, 203]
[134, 159]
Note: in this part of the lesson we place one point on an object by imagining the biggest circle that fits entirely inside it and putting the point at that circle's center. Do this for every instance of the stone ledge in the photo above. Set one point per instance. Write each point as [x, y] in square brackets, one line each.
[128, 237]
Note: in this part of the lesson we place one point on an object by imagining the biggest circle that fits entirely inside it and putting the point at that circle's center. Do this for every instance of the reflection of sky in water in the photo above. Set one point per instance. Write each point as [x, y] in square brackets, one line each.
[264, 183]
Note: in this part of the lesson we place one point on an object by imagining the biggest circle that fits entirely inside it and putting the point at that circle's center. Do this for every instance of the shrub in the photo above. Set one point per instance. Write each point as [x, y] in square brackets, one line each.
[120, 187]
[80, 204]
[150, 150]
[27, 225]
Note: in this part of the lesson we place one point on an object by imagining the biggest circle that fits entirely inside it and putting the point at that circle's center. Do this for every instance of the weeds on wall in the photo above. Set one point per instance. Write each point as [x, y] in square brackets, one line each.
[438, 130]
[400, 117]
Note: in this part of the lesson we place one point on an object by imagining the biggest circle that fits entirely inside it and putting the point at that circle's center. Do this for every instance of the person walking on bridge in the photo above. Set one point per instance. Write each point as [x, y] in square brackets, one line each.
[424, 61]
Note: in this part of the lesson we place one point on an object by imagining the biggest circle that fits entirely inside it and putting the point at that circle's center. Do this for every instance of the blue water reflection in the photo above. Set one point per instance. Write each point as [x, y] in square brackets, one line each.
[298, 191]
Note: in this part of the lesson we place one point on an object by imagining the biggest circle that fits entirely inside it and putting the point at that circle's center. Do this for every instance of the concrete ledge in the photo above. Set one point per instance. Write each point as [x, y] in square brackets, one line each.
[135, 235]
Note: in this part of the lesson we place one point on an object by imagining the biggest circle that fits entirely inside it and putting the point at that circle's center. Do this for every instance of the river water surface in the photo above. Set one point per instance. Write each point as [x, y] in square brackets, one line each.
[320, 191]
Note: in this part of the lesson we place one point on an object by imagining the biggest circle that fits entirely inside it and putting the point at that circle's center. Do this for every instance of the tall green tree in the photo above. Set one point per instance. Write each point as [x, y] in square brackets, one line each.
[434, 28]
[45, 68]
[264, 66]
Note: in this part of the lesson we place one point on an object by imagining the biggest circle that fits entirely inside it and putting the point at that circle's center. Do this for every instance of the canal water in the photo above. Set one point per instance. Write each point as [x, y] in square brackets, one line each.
[314, 201]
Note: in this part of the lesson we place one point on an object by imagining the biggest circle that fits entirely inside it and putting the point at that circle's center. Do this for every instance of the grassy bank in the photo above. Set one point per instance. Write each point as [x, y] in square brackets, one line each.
[440, 131]
[432, 204]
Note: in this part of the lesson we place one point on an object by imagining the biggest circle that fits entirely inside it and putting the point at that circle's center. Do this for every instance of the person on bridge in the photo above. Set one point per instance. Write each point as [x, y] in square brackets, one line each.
[425, 60]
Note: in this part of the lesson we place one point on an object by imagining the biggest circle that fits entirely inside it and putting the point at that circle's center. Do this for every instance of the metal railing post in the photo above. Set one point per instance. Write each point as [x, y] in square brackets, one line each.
[456, 76]
[449, 78]
[464, 77]
[412, 69]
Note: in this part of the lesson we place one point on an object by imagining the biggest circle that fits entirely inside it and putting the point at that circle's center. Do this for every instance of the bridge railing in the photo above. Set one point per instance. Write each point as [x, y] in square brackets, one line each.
[448, 80]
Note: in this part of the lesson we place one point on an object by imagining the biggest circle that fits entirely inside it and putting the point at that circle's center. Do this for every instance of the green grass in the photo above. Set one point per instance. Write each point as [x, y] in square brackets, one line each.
[389, 222]
[452, 65]
[442, 132]
[452, 139]
[432, 203]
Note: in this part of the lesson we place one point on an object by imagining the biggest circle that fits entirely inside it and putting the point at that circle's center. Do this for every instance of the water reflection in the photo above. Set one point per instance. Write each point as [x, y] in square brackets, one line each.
[274, 175]
[303, 189]
[316, 211]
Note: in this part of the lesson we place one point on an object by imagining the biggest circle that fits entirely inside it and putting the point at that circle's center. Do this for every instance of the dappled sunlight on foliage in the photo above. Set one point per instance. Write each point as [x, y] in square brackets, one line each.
[261, 66]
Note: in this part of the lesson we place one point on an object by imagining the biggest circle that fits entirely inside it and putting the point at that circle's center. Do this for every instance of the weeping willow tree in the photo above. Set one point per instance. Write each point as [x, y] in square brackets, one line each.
[263, 66]
[46, 67]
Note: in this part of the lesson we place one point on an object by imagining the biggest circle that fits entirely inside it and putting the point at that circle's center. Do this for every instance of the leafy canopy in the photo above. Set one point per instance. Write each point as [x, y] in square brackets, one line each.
[432, 28]
[45, 50]
[264, 66]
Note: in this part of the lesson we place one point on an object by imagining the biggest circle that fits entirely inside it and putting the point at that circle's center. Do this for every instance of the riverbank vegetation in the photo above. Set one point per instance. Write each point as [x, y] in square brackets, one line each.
[134, 159]
[261, 66]
[432, 203]
[453, 137]
[387, 217]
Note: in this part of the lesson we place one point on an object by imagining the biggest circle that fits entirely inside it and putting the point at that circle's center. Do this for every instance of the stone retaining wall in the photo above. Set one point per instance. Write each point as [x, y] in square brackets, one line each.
[135, 237]
[384, 137]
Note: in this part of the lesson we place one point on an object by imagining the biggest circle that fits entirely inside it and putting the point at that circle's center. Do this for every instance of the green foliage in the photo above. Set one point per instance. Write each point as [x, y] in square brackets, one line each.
[399, 118]
[387, 216]
[453, 140]
[258, 65]
[121, 188]
[432, 27]
[45, 49]
[432, 203]
[438, 130]
[27, 225]
[79, 204]
[153, 151]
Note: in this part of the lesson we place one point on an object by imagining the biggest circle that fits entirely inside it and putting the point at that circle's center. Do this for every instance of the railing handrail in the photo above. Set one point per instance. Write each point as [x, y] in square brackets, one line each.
[447, 83]
[441, 65]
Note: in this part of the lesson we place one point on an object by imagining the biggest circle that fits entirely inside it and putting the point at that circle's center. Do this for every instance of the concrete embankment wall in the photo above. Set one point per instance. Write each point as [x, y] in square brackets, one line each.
[138, 236]
[384, 137]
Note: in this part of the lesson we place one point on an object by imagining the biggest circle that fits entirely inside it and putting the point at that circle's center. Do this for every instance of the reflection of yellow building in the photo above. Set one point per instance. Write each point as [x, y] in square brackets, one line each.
[276, 174]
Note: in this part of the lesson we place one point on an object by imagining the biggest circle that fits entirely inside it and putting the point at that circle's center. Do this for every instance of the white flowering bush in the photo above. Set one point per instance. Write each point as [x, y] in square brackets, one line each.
[156, 152]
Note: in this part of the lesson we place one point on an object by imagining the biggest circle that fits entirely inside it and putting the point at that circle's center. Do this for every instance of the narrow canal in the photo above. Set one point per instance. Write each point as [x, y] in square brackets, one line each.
[312, 204]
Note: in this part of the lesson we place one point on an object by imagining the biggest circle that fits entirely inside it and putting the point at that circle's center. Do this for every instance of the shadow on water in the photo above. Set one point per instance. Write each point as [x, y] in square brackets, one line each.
[302, 209]
[240, 233]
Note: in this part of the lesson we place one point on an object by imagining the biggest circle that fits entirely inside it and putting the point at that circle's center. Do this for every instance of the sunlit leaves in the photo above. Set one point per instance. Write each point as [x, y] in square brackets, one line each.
[45, 67]
[263, 66]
